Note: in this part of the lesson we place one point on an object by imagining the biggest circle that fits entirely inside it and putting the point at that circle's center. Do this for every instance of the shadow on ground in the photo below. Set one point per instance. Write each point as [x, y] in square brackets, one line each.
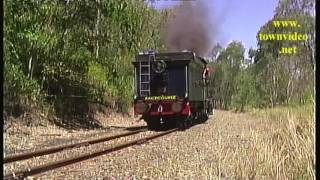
[77, 113]
[169, 126]
[74, 123]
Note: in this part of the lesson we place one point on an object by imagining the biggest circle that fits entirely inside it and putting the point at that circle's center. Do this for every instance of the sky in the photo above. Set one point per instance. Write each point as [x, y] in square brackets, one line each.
[236, 19]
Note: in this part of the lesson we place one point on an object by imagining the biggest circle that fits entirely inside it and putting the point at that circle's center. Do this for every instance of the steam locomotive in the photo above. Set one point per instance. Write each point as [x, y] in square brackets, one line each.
[171, 89]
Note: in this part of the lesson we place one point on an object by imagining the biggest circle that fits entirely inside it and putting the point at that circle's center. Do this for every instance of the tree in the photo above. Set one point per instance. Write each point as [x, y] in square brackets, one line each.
[252, 53]
[76, 48]
[285, 73]
[227, 68]
[215, 51]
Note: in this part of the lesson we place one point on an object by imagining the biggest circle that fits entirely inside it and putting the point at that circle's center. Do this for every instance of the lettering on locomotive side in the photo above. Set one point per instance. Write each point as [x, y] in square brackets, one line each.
[153, 98]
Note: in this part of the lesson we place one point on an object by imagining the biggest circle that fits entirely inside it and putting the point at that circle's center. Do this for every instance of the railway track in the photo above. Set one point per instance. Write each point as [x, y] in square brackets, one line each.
[22, 156]
[61, 163]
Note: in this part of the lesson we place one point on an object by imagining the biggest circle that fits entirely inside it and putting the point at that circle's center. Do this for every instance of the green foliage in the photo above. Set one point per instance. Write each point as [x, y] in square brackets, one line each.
[227, 69]
[287, 77]
[273, 79]
[249, 92]
[20, 87]
[76, 48]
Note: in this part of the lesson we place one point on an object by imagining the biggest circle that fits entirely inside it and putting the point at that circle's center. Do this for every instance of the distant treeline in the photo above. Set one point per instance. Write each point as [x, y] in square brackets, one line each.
[273, 78]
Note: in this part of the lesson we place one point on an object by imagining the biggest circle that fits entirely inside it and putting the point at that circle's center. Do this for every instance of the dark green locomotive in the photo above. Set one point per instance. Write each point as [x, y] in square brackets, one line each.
[171, 88]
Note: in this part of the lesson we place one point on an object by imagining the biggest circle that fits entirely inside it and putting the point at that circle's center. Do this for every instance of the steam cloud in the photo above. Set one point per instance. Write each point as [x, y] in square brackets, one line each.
[190, 28]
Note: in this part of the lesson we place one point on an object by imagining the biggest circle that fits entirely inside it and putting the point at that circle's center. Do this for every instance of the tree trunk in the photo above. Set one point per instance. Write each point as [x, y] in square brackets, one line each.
[274, 86]
[97, 25]
[289, 90]
[30, 67]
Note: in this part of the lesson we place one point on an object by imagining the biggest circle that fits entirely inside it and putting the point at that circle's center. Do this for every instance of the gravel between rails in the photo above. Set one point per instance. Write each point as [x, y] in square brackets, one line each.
[18, 144]
[68, 153]
[205, 151]
[20, 138]
[217, 149]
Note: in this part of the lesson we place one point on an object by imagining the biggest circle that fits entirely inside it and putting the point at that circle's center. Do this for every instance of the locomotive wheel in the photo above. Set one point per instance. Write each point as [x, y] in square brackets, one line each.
[152, 124]
[189, 120]
[181, 124]
[206, 117]
[196, 117]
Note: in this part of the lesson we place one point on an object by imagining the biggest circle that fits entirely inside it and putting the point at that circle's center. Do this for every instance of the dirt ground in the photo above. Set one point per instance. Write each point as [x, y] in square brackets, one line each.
[20, 136]
[228, 146]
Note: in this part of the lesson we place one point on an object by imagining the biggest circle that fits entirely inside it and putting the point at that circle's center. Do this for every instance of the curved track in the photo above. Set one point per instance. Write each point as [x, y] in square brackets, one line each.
[22, 156]
[50, 166]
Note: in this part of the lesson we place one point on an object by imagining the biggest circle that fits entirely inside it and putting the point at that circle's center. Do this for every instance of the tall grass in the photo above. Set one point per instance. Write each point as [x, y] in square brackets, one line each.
[286, 149]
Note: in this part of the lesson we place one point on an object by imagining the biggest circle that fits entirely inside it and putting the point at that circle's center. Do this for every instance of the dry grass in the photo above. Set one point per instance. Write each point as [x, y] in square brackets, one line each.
[263, 144]
[19, 137]
[286, 148]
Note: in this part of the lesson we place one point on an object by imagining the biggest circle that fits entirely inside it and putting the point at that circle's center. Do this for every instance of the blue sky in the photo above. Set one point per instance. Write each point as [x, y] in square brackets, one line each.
[236, 19]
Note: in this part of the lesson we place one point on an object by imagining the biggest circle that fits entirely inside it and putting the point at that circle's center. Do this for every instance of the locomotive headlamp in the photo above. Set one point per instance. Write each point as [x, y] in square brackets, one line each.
[159, 66]
[141, 107]
[176, 107]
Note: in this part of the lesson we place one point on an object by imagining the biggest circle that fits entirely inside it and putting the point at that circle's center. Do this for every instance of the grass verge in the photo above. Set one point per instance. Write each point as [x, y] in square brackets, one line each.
[286, 148]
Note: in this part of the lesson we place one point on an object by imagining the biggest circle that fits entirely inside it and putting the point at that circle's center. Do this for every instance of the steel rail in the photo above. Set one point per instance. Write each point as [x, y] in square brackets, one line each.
[61, 163]
[28, 155]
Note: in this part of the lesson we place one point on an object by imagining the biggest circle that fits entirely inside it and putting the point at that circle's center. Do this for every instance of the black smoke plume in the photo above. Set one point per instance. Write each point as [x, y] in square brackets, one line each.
[190, 28]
